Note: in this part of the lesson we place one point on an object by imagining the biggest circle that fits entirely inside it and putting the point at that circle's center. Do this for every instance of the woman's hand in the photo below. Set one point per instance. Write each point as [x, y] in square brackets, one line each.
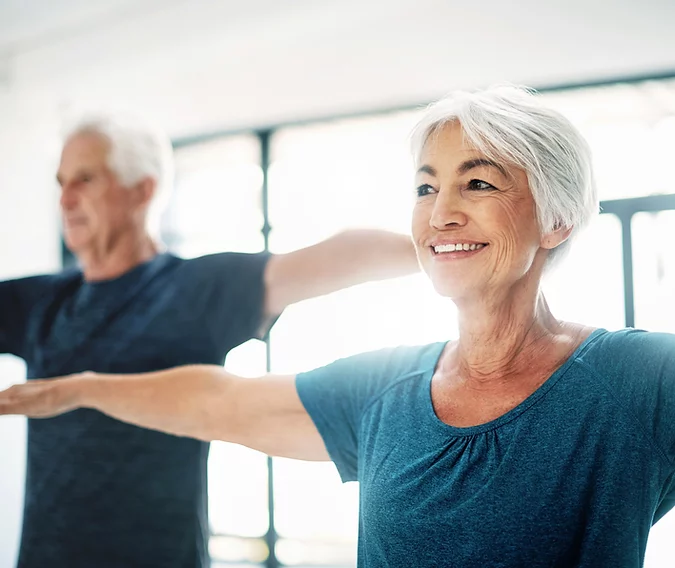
[198, 401]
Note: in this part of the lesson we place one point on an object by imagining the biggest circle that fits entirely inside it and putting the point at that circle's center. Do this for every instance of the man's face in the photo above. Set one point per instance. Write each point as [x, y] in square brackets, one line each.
[95, 208]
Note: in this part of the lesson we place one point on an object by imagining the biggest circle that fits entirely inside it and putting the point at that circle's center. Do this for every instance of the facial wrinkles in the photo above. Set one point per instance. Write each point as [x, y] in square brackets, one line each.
[518, 208]
[501, 221]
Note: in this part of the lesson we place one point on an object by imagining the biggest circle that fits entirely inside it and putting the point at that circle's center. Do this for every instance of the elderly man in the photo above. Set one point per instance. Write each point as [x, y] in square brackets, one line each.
[101, 493]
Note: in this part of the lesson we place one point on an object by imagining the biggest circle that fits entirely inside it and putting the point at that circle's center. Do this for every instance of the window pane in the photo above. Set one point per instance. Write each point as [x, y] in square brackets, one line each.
[587, 287]
[329, 177]
[13, 460]
[307, 493]
[216, 204]
[238, 502]
[654, 278]
[660, 552]
[216, 207]
[229, 551]
[626, 125]
[316, 552]
[654, 270]
[325, 178]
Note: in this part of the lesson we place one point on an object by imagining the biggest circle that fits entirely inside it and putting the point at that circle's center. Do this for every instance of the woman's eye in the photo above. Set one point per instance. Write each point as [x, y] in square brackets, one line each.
[480, 185]
[424, 189]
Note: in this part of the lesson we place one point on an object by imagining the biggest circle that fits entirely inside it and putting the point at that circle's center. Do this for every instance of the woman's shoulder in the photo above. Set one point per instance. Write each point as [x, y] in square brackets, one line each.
[638, 367]
[390, 361]
[629, 354]
[631, 343]
[367, 375]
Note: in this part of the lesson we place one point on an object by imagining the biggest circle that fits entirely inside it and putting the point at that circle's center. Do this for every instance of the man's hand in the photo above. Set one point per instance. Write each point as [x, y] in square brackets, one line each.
[41, 398]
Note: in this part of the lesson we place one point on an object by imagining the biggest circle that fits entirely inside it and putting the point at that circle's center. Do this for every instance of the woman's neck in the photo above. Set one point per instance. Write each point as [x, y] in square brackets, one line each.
[504, 337]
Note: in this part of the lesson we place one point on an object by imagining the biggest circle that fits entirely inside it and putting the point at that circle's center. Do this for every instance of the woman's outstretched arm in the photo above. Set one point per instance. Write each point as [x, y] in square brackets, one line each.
[196, 401]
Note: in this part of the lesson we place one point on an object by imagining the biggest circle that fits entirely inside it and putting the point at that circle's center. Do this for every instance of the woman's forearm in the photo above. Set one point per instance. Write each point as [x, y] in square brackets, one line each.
[187, 401]
[198, 401]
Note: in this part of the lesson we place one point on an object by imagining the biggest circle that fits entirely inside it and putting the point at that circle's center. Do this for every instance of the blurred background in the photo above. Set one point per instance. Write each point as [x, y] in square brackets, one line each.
[318, 97]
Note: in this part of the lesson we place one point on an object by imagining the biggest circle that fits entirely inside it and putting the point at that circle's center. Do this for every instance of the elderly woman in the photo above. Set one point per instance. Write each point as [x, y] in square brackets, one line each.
[528, 441]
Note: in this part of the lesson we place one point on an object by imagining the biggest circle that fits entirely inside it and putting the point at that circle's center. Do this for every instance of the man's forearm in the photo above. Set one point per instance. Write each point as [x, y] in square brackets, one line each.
[371, 254]
[349, 258]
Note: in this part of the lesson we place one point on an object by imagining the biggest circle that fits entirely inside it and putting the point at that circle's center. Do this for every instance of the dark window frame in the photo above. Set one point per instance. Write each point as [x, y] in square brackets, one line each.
[623, 209]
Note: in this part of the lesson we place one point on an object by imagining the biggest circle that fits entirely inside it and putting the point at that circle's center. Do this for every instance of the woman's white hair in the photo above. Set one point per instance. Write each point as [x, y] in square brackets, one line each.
[138, 150]
[511, 126]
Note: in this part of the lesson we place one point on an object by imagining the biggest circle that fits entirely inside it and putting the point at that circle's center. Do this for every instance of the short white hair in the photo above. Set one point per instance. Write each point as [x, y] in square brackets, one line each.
[511, 126]
[138, 150]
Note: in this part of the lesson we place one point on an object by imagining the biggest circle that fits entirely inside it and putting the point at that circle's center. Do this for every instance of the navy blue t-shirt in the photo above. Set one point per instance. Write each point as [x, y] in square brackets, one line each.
[101, 493]
[574, 476]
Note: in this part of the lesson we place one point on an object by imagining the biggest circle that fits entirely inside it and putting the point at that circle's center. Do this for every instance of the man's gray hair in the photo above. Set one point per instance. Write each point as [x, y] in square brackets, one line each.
[138, 150]
[511, 126]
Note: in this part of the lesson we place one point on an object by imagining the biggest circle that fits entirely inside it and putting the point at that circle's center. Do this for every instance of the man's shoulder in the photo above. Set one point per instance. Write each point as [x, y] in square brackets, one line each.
[43, 282]
[236, 264]
[224, 257]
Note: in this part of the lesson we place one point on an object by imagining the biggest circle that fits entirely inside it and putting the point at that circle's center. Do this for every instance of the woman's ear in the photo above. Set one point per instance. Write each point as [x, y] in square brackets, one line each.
[556, 237]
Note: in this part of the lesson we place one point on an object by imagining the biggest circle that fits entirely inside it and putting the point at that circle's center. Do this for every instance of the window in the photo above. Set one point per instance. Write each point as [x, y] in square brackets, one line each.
[631, 130]
[329, 176]
[587, 286]
[654, 270]
[216, 207]
[12, 482]
[325, 178]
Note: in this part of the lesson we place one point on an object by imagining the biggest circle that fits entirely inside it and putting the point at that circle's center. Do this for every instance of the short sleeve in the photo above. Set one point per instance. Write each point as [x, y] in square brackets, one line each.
[336, 396]
[234, 286]
[17, 298]
[641, 366]
[655, 386]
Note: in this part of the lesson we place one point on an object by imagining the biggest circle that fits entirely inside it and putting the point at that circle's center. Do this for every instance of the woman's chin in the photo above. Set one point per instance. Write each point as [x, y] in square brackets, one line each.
[453, 290]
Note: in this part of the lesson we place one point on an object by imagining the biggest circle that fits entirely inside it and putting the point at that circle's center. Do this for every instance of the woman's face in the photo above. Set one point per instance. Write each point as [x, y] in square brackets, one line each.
[474, 223]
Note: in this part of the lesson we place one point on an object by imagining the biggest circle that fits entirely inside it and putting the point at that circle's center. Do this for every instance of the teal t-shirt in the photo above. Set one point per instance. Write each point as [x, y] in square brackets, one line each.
[575, 475]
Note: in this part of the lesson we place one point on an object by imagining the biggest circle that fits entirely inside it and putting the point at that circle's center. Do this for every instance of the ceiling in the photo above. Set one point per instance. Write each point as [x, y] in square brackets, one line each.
[234, 63]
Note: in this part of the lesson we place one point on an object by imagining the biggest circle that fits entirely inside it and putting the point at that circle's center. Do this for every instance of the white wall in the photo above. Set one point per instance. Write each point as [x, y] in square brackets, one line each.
[200, 66]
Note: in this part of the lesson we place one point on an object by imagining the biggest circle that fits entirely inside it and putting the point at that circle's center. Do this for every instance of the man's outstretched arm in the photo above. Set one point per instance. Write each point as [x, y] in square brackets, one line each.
[346, 259]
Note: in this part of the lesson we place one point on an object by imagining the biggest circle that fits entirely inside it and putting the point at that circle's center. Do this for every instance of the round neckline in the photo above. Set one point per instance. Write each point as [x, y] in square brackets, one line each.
[128, 275]
[463, 431]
